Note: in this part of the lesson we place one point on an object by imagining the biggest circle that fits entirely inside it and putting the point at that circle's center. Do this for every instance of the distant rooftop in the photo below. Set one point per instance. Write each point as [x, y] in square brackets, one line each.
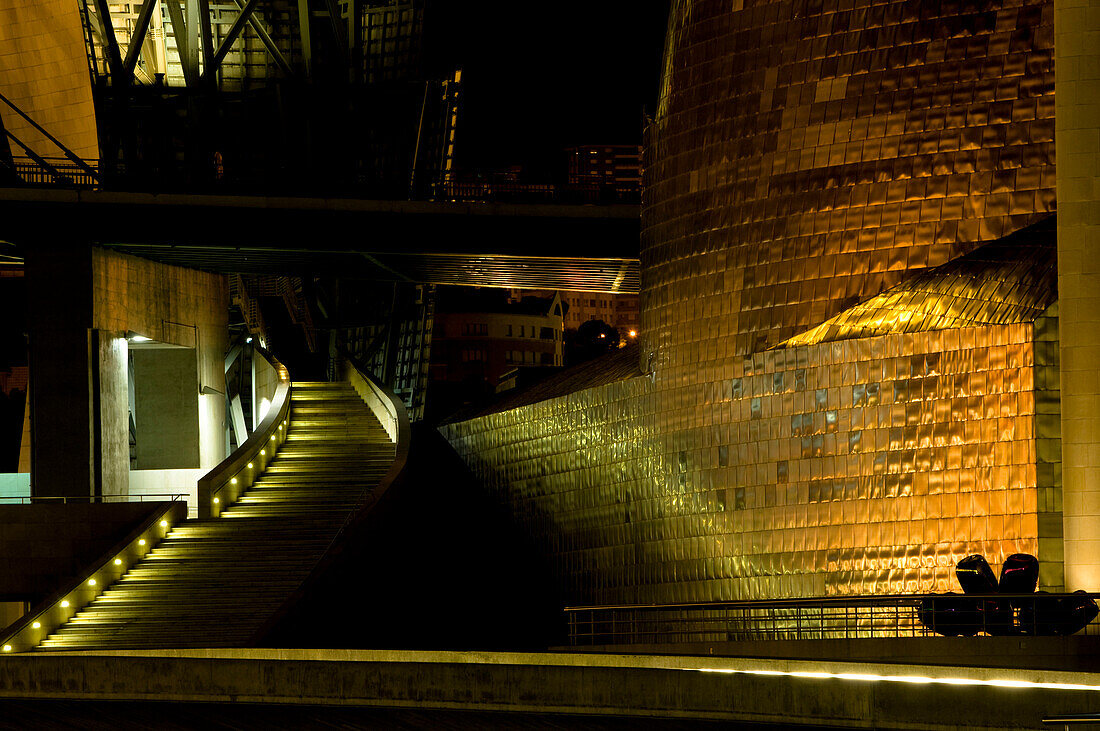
[616, 366]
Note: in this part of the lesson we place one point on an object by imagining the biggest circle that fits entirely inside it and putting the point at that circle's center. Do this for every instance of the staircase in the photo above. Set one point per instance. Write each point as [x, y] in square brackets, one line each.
[214, 582]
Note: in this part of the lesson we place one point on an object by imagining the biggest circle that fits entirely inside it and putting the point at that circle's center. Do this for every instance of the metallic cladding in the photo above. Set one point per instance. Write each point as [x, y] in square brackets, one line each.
[815, 162]
[44, 72]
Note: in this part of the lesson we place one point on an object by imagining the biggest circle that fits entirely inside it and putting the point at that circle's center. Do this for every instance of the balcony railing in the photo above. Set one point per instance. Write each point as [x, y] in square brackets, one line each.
[822, 618]
[245, 180]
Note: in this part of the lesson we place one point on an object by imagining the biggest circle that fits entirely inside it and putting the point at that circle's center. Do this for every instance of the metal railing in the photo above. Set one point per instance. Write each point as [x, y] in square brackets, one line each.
[37, 624]
[391, 413]
[478, 191]
[93, 499]
[60, 172]
[222, 486]
[910, 615]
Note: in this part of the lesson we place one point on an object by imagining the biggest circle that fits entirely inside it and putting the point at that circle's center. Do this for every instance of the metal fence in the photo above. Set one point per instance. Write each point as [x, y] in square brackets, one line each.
[56, 172]
[59, 173]
[165, 497]
[920, 615]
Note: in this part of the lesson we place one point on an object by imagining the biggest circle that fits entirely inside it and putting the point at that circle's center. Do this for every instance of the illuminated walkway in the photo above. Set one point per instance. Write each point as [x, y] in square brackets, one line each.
[216, 582]
[519, 688]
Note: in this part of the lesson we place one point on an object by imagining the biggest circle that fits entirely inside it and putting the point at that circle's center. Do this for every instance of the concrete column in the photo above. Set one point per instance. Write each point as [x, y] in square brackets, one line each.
[83, 303]
[59, 319]
[1077, 130]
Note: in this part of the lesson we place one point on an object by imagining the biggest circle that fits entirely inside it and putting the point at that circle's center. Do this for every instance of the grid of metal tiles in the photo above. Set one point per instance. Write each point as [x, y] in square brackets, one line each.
[808, 153]
[863, 466]
[808, 156]
[1008, 281]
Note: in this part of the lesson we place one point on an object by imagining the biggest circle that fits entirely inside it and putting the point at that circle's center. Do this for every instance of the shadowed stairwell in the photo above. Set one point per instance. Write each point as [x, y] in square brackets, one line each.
[216, 582]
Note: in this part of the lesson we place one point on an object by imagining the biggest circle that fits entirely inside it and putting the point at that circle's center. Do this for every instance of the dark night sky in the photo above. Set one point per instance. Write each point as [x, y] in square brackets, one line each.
[543, 76]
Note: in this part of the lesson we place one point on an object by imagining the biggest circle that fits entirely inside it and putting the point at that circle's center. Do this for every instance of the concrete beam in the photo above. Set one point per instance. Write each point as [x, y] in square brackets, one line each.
[791, 692]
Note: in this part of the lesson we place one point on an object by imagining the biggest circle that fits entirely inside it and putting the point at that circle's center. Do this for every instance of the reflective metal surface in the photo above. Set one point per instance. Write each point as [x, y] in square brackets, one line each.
[813, 169]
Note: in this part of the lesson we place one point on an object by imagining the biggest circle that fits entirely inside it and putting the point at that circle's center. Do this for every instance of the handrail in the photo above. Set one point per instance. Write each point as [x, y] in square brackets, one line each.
[831, 617]
[59, 608]
[91, 499]
[390, 411]
[222, 486]
[838, 600]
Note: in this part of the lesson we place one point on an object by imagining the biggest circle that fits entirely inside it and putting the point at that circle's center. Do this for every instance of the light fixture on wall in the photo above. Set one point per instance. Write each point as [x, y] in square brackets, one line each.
[133, 337]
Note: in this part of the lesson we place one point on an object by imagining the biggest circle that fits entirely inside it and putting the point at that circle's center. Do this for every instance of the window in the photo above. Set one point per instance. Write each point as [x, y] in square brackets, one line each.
[546, 358]
[546, 333]
[473, 355]
[509, 331]
[475, 328]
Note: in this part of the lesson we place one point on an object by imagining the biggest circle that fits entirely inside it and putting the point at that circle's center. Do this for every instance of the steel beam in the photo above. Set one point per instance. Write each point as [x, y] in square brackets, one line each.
[338, 29]
[207, 39]
[114, 58]
[141, 28]
[267, 40]
[179, 30]
[72, 156]
[39, 160]
[304, 31]
[194, 36]
[231, 37]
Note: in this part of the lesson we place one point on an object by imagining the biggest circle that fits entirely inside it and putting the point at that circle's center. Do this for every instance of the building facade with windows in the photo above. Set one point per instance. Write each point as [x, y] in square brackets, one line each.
[479, 339]
[849, 374]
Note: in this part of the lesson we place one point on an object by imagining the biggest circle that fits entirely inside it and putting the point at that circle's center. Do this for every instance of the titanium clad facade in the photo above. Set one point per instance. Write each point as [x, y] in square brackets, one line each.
[848, 318]
[44, 71]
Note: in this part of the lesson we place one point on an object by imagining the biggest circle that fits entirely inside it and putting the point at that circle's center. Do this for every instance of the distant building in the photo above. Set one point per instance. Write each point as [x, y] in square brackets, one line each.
[620, 311]
[479, 337]
[618, 167]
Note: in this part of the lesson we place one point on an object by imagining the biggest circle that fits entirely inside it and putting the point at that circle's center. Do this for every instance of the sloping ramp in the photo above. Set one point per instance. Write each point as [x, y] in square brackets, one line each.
[215, 582]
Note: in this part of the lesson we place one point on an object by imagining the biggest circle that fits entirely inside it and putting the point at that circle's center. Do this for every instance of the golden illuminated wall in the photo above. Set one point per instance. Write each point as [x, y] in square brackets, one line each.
[44, 71]
[851, 380]
[808, 154]
[861, 466]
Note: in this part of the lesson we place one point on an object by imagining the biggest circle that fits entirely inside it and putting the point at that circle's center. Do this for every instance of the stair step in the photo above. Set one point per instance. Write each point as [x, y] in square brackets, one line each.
[214, 582]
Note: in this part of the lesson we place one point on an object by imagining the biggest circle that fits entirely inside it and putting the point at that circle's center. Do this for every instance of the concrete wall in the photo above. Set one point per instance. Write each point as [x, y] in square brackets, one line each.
[114, 427]
[169, 482]
[264, 382]
[787, 692]
[166, 408]
[1077, 130]
[83, 303]
[177, 306]
[43, 545]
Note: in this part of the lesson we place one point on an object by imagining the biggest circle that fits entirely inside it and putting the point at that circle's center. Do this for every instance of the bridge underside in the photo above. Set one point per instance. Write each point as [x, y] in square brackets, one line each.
[591, 248]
